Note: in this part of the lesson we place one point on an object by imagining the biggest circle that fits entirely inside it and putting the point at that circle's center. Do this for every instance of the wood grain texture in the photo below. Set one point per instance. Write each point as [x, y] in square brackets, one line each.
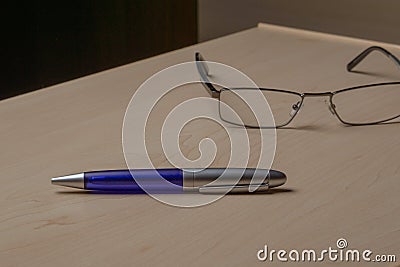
[342, 181]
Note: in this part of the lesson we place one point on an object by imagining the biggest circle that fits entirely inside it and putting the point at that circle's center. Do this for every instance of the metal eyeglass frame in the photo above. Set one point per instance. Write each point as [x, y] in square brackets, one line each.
[204, 74]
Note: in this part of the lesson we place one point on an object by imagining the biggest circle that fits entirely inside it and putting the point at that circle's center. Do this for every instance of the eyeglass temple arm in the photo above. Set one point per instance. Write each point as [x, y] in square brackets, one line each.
[366, 52]
[203, 70]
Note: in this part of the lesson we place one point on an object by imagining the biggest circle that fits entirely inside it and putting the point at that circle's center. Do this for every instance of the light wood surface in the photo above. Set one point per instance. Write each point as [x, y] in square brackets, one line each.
[343, 182]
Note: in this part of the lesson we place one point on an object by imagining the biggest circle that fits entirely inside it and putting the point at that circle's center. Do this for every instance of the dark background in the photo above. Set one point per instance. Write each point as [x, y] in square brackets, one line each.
[48, 42]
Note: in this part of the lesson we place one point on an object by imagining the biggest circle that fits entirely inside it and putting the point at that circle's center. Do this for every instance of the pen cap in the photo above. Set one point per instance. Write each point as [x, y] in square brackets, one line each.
[276, 178]
[232, 176]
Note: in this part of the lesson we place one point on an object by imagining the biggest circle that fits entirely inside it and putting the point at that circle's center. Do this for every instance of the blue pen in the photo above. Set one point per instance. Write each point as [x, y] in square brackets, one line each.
[211, 180]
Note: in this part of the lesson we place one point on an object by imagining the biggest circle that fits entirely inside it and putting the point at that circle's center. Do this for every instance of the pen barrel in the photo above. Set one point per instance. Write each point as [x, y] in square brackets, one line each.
[154, 181]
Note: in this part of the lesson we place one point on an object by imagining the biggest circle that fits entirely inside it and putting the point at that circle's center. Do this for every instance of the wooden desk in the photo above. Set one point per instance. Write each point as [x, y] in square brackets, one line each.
[342, 181]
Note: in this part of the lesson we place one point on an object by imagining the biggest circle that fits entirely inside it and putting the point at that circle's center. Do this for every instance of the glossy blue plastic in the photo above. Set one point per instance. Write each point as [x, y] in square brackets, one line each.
[123, 180]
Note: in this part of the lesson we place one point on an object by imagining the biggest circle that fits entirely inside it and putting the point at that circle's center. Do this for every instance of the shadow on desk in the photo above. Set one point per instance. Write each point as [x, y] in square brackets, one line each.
[269, 192]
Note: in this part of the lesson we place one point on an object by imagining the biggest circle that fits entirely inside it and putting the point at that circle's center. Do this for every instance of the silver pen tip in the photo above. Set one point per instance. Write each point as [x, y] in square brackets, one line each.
[73, 180]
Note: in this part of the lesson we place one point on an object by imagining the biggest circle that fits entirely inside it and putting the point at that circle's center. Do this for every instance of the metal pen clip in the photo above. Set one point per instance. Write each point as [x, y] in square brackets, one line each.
[221, 189]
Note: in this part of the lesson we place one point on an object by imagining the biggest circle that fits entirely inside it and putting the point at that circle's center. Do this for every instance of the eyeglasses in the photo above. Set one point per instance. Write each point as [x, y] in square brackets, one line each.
[359, 105]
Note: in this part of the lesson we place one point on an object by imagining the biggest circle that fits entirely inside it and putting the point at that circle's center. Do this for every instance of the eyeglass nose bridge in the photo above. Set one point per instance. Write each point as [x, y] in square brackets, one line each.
[303, 95]
[331, 106]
